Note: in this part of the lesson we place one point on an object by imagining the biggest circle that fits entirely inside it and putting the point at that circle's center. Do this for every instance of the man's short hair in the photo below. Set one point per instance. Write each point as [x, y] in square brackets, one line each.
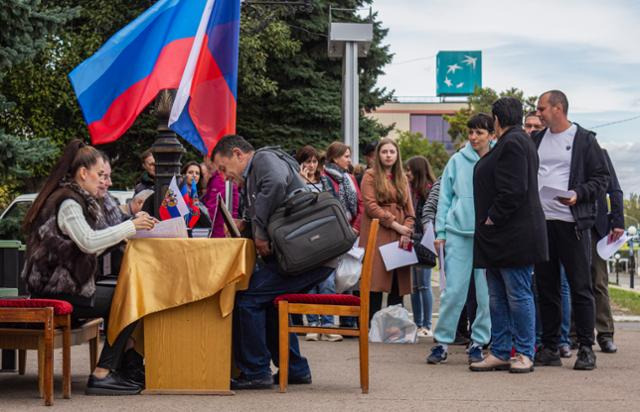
[481, 121]
[556, 97]
[508, 111]
[145, 154]
[532, 113]
[369, 148]
[229, 142]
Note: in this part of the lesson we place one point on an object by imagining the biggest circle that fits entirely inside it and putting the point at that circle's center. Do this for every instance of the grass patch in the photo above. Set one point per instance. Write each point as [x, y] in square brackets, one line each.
[626, 299]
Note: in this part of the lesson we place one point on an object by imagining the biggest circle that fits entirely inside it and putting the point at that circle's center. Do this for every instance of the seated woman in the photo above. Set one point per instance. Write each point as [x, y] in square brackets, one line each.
[63, 241]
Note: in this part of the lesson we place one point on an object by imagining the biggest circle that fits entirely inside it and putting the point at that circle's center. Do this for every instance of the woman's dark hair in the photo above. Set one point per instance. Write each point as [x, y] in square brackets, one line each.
[186, 167]
[481, 121]
[306, 153]
[335, 150]
[76, 154]
[422, 175]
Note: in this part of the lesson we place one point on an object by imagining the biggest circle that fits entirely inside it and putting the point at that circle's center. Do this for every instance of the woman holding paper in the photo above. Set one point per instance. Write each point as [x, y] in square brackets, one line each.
[454, 234]
[63, 241]
[421, 178]
[387, 197]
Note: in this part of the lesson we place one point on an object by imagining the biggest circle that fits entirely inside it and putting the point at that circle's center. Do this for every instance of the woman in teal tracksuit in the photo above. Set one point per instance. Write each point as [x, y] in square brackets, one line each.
[455, 222]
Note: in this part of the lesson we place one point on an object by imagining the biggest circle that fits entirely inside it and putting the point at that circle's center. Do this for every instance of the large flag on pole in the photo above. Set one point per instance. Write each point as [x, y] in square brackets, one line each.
[205, 106]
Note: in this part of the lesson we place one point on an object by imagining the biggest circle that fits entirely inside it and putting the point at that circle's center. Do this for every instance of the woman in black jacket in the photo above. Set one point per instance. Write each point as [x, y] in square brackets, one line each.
[510, 237]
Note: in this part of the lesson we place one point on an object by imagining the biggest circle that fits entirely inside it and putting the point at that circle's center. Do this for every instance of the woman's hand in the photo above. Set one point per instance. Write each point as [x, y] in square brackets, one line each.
[405, 241]
[437, 243]
[402, 230]
[143, 221]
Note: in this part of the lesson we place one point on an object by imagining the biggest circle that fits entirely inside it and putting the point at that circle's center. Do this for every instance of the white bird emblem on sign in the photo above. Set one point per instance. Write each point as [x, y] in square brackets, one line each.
[470, 61]
[448, 82]
[459, 85]
[452, 68]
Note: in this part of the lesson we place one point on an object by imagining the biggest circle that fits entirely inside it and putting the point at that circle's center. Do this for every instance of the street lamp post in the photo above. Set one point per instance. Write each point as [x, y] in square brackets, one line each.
[632, 231]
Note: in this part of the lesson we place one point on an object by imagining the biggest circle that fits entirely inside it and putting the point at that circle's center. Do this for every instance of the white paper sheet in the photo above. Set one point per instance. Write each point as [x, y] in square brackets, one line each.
[394, 257]
[606, 249]
[429, 237]
[552, 193]
[171, 228]
[443, 277]
[355, 251]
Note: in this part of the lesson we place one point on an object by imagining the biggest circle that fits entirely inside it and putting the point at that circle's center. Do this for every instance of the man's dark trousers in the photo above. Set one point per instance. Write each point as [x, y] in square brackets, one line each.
[572, 249]
[255, 321]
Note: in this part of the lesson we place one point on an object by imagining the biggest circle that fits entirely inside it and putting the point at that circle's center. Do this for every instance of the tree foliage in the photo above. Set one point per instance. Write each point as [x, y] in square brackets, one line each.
[480, 102]
[288, 89]
[632, 210]
[415, 144]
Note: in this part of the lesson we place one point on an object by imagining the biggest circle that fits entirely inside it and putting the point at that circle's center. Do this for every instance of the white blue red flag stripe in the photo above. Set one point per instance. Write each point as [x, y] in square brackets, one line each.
[205, 106]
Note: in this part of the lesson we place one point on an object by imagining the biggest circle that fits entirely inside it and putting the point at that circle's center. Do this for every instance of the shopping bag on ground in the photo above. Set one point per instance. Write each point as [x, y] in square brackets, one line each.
[392, 325]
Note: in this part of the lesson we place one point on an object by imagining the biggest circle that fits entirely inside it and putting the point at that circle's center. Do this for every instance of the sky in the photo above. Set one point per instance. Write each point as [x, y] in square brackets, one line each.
[588, 49]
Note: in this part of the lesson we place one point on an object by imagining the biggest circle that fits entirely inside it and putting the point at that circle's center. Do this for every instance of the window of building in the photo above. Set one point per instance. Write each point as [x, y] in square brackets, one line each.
[433, 127]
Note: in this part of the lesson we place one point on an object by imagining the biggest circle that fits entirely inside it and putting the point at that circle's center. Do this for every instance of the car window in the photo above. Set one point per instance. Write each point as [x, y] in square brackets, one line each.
[17, 211]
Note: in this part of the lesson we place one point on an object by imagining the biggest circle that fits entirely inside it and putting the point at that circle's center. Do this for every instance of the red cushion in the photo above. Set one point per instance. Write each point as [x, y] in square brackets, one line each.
[345, 300]
[60, 307]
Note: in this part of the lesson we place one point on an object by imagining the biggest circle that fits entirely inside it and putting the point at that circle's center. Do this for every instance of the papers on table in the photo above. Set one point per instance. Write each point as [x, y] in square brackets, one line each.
[443, 277]
[171, 228]
[552, 193]
[394, 257]
[606, 249]
[429, 237]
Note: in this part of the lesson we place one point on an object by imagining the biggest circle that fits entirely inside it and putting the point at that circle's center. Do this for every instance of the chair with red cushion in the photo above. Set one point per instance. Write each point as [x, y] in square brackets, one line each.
[52, 315]
[340, 305]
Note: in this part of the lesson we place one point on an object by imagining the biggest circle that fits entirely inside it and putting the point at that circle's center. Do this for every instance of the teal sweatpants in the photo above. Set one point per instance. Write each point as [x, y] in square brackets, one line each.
[458, 267]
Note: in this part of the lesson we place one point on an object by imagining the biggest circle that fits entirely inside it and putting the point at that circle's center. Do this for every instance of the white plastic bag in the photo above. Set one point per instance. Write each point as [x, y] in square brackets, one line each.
[349, 269]
[392, 325]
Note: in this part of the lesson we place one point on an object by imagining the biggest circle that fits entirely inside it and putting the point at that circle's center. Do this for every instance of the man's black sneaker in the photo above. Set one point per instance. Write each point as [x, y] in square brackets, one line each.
[244, 383]
[586, 359]
[293, 380]
[547, 357]
[607, 346]
[111, 385]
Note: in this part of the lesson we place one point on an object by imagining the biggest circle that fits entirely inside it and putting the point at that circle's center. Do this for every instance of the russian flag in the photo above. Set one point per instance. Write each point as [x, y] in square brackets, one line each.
[205, 106]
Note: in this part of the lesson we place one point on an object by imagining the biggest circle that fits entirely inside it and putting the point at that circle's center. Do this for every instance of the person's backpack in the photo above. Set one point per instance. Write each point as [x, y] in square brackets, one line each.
[308, 230]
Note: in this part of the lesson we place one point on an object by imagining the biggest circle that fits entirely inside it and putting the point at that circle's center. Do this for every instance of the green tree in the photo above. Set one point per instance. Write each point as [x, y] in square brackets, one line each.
[415, 144]
[480, 102]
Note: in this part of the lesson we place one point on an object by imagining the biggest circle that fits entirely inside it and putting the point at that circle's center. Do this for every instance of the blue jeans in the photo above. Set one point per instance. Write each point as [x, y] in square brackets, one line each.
[421, 298]
[325, 288]
[565, 295]
[255, 321]
[512, 311]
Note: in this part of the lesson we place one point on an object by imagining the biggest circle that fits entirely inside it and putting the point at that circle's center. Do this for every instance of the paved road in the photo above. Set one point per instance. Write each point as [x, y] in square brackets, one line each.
[400, 380]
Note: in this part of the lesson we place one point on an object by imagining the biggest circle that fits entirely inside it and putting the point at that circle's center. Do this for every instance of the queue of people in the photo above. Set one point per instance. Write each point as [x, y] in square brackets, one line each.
[489, 220]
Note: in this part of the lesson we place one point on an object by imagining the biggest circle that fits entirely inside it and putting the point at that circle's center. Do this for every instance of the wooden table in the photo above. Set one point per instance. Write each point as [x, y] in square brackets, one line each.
[184, 291]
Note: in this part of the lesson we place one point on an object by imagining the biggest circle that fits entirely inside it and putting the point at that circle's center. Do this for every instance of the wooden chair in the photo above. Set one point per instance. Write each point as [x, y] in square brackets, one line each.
[52, 315]
[341, 305]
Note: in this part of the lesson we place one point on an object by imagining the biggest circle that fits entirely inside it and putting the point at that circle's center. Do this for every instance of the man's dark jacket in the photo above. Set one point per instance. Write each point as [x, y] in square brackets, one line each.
[614, 218]
[588, 177]
[505, 187]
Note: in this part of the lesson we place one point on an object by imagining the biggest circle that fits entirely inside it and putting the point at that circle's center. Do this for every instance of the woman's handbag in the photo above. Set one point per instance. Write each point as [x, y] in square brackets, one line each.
[425, 257]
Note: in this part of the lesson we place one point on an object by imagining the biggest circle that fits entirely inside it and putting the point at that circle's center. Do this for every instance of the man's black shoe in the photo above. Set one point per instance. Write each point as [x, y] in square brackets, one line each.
[607, 346]
[547, 357]
[586, 359]
[111, 385]
[244, 383]
[302, 380]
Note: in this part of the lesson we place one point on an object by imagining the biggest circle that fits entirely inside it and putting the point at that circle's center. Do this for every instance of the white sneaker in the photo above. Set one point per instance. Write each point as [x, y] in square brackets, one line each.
[428, 332]
[331, 337]
[422, 332]
[314, 337]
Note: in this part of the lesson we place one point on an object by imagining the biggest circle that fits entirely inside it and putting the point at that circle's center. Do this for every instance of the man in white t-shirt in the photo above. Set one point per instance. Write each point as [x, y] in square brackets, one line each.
[570, 160]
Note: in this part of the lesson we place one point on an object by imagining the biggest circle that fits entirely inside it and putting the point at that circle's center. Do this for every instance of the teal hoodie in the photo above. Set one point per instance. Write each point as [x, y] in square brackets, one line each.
[456, 212]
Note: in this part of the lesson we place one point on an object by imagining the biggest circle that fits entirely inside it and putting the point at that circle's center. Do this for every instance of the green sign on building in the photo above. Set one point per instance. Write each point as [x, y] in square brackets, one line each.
[458, 72]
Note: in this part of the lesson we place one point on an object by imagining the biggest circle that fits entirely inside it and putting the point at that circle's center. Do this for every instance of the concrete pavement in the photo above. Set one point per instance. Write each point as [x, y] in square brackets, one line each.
[400, 380]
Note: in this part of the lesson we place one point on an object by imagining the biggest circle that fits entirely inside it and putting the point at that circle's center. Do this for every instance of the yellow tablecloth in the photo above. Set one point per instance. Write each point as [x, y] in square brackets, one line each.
[159, 274]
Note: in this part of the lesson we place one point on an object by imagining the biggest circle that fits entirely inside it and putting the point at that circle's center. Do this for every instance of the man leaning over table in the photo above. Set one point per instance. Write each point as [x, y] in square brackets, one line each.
[265, 179]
